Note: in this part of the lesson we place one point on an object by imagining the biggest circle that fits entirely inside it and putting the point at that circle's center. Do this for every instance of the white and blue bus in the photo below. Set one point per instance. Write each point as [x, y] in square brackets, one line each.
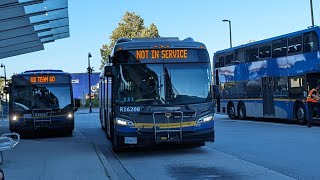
[269, 78]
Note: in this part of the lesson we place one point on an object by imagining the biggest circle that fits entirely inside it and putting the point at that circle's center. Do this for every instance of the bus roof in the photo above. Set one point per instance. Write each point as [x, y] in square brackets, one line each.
[152, 43]
[43, 71]
[269, 39]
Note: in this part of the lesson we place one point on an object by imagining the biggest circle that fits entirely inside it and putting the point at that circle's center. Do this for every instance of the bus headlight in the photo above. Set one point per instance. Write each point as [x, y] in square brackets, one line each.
[205, 119]
[124, 122]
[70, 115]
[14, 117]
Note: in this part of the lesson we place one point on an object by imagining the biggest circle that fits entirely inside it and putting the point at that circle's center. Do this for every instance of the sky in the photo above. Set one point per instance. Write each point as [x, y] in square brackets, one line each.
[92, 22]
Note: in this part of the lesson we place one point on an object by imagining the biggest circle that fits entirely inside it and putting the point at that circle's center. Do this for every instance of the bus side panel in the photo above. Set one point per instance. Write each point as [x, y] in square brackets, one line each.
[281, 109]
[254, 108]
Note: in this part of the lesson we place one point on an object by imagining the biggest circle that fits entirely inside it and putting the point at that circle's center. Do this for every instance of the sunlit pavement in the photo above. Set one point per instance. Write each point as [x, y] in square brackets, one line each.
[243, 150]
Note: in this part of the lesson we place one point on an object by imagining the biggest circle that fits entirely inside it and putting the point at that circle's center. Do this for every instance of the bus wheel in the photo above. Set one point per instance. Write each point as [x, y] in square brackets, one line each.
[231, 111]
[109, 136]
[300, 114]
[242, 111]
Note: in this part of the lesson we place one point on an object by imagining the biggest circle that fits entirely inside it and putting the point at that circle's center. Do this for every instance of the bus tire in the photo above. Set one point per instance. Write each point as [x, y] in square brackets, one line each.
[242, 111]
[231, 111]
[101, 120]
[68, 132]
[300, 113]
[109, 136]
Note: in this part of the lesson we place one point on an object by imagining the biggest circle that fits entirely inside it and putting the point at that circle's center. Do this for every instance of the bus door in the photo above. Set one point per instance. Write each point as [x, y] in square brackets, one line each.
[108, 100]
[217, 91]
[267, 96]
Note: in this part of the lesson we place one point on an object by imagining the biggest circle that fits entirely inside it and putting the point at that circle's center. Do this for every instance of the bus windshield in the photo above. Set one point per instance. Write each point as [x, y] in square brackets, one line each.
[29, 97]
[157, 84]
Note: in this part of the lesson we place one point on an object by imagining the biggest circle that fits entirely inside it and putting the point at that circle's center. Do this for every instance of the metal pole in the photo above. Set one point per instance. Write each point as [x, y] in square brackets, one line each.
[89, 72]
[312, 19]
[230, 33]
[1, 109]
[5, 85]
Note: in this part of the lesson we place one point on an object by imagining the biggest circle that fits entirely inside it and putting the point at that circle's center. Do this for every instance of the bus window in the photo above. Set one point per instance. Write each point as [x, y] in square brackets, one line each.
[252, 54]
[220, 62]
[310, 42]
[254, 88]
[294, 45]
[229, 90]
[229, 59]
[296, 87]
[241, 89]
[265, 51]
[281, 87]
[279, 48]
[240, 56]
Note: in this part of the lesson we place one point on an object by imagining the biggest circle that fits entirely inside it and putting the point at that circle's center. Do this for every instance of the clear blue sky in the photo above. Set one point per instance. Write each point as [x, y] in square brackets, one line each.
[91, 24]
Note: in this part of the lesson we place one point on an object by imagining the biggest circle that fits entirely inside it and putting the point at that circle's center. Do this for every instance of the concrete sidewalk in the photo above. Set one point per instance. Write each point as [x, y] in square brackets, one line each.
[54, 158]
[33, 159]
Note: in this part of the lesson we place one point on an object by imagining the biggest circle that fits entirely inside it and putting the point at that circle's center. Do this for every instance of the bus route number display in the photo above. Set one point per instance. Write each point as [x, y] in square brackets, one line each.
[42, 79]
[162, 54]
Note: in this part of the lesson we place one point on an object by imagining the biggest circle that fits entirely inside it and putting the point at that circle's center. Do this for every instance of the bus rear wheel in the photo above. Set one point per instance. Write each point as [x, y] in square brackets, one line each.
[300, 114]
[109, 134]
[242, 111]
[231, 111]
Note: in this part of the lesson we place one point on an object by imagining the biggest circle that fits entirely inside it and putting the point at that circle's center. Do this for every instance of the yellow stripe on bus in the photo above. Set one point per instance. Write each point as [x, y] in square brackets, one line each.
[166, 125]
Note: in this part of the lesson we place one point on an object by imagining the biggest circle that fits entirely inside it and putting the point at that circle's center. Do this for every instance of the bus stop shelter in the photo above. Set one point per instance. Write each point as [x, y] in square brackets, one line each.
[26, 25]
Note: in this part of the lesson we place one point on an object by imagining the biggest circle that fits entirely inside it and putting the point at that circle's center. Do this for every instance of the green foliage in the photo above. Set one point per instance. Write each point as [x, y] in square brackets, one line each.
[130, 26]
[94, 103]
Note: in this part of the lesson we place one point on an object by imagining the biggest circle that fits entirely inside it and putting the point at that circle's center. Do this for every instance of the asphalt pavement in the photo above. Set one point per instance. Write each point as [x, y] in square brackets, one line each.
[242, 150]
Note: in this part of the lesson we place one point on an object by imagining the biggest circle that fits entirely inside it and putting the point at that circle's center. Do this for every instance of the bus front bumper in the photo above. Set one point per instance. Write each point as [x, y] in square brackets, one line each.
[145, 139]
[30, 126]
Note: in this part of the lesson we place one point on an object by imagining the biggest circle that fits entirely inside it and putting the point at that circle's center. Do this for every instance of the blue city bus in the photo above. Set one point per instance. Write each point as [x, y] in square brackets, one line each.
[157, 91]
[41, 99]
[269, 78]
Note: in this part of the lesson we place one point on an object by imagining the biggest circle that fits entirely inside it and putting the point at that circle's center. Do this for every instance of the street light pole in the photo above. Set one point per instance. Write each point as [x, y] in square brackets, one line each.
[226, 20]
[5, 82]
[311, 8]
[89, 72]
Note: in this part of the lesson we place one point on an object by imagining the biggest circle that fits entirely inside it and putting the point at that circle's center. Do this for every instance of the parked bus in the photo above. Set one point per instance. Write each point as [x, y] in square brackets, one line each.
[269, 78]
[157, 90]
[41, 99]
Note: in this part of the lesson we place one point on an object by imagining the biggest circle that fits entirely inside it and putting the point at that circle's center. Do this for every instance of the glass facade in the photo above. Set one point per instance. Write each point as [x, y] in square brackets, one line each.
[26, 25]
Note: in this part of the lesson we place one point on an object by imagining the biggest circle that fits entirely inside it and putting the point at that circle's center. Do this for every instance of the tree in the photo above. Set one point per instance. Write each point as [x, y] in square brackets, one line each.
[130, 26]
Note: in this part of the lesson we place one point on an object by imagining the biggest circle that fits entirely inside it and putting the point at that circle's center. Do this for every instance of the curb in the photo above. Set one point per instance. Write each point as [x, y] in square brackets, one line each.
[107, 167]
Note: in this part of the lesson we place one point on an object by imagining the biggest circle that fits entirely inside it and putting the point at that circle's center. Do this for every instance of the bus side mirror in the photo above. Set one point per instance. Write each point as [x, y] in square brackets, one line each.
[108, 70]
[6, 90]
[77, 102]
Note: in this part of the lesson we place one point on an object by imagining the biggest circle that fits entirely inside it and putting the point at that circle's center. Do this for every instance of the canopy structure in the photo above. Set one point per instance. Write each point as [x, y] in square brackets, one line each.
[26, 25]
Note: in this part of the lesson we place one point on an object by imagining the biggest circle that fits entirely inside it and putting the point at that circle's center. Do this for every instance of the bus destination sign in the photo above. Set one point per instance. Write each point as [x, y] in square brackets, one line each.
[42, 79]
[162, 54]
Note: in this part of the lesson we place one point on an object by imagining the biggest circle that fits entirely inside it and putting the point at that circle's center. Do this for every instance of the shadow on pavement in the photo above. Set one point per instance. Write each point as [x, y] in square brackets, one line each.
[42, 134]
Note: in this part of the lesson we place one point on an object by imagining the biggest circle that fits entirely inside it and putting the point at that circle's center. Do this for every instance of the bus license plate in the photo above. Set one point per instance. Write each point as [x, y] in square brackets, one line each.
[130, 140]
